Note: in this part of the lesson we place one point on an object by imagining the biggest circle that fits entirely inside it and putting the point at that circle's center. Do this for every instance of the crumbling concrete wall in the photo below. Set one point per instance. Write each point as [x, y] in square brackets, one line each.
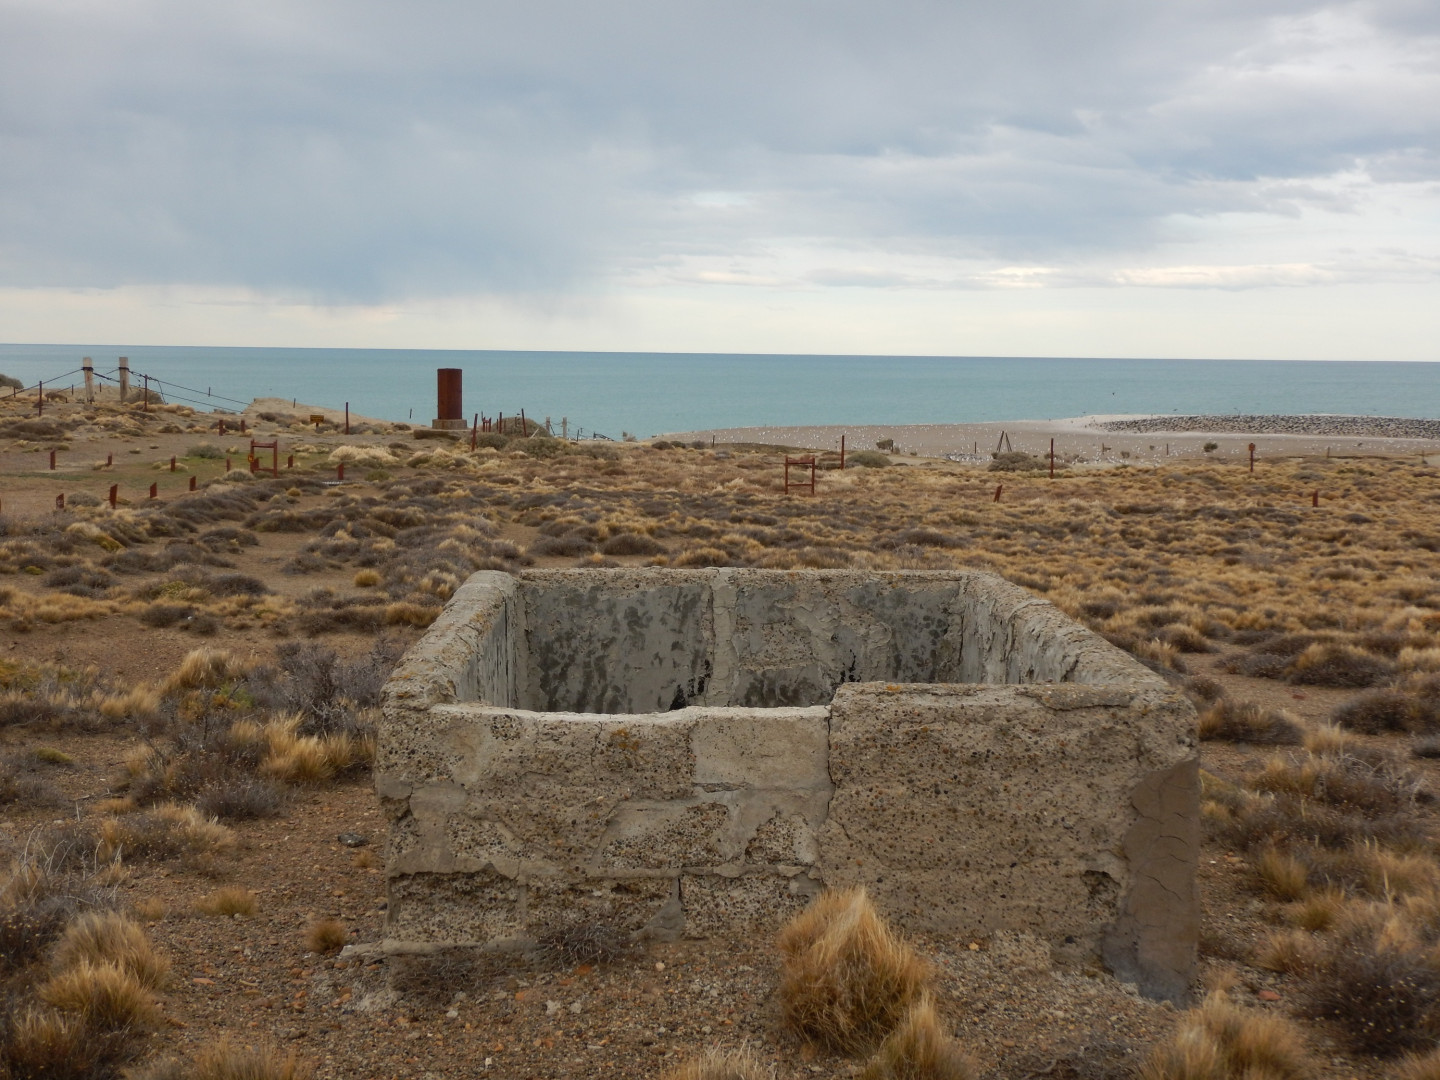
[699, 752]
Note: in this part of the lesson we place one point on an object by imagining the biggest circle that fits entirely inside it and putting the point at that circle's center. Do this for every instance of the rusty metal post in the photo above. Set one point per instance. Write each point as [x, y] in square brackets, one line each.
[474, 432]
[1252, 457]
[842, 449]
[290, 462]
[998, 488]
[1315, 498]
[192, 483]
[347, 418]
[1052, 459]
[524, 427]
[115, 494]
[222, 427]
[172, 462]
[52, 460]
[227, 464]
[40, 399]
[242, 426]
[449, 410]
[340, 471]
[60, 501]
[154, 491]
[109, 460]
[500, 424]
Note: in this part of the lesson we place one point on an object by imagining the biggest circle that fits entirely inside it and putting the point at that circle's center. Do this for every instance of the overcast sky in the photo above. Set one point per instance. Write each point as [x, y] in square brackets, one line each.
[1246, 178]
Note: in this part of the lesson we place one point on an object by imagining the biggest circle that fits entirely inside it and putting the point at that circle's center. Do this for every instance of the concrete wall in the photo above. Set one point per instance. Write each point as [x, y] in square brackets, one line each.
[537, 771]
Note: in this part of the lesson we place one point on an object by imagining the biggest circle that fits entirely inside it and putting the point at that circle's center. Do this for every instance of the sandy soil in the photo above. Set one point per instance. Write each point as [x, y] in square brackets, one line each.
[1076, 438]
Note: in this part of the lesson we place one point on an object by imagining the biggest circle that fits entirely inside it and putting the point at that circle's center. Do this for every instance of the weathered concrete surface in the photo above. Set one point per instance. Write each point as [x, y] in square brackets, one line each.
[658, 751]
[971, 809]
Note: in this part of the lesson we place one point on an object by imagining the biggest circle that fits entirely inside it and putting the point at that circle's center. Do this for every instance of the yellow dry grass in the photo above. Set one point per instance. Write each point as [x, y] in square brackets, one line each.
[1220, 1041]
[847, 978]
[920, 1049]
[109, 937]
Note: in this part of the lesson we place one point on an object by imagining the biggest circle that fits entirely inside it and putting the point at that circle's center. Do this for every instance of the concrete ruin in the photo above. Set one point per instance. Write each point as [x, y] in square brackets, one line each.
[699, 752]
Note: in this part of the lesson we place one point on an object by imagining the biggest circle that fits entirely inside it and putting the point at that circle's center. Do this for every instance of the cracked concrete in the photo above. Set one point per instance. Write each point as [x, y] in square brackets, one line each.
[700, 752]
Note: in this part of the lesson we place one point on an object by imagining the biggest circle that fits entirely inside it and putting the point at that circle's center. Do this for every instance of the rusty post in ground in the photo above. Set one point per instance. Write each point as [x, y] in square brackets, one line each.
[290, 462]
[154, 491]
[145, 401]
[40, 399]
[998, 488]
[60, 501]
[340, 471]
[222, 427]
[52, 460]
[449, 410]
[109, 460]
[347, 418]
[192, 482]
[474, 432]
[1252, 457]
[227, 464]
[115, 495]
[1315, 498]
[842, 449]
[1052, 459]
[524, 427]
[500, 423]
[172, 462]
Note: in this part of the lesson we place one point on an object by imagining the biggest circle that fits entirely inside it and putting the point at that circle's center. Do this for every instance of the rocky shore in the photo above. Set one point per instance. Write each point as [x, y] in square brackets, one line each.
[1382, 427]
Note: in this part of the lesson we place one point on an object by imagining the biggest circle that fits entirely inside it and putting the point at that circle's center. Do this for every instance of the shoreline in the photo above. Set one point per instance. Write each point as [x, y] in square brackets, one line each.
[1108, 438]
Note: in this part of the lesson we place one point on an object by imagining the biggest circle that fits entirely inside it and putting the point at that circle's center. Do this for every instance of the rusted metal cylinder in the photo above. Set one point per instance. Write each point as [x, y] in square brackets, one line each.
[447, 385]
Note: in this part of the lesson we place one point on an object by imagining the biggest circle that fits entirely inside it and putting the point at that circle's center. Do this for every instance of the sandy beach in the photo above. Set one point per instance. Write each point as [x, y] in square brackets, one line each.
[1090, 439]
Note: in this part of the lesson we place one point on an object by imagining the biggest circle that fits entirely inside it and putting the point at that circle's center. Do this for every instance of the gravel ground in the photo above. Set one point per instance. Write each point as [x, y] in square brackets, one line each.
[1382, 427]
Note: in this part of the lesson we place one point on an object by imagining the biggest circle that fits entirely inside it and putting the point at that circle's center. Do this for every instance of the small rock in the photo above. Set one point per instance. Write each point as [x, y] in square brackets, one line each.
[552, 1007]
[352, 839]
[1268, 995]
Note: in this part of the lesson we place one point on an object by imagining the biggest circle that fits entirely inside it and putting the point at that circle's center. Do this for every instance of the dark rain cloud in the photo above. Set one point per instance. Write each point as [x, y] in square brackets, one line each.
[362, 151]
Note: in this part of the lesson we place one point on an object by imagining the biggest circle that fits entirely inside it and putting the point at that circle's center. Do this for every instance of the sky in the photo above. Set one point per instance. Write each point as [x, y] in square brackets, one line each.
[1224, 178]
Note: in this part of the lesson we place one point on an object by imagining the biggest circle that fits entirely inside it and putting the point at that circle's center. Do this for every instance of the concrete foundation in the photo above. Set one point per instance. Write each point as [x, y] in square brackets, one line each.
[700, 752]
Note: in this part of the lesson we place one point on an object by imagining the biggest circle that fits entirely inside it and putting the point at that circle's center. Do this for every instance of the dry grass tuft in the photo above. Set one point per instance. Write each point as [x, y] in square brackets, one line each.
[205, 668]
[229, 901]
[1282, 875]
[1247, 722]
[1419, 1067]
[106, 995]
[228, 1060]
[1219, 1041]
[848, 979]
[919, 1049]
[326, 936]
[721, 1065]
[102, 937]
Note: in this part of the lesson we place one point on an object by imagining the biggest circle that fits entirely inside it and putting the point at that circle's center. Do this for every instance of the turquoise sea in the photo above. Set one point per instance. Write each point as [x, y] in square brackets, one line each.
[651, 393]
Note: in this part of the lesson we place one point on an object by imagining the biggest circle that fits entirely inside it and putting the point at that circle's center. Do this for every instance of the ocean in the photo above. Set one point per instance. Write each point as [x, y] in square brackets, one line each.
[653, 393]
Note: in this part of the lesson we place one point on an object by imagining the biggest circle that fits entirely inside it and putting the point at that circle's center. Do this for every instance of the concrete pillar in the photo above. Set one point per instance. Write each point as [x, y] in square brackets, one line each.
[450, 409]
[89, 370]
[124, 378]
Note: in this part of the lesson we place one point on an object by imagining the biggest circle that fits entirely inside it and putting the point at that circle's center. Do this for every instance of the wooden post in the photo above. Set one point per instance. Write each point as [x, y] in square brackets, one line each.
[1315, 498]
[500, 423]
[109, 460]
[40, 399]
[842, 449]
[52, 459]
[1252, 457]
[1052, 459]
[565, 427]
[89, 370]
[172, 462]
[192, 481]
[290, 462]
[474, 432]
[347, 418]
[524, 427]
[227, 464]
[154, 491]
[114, 495]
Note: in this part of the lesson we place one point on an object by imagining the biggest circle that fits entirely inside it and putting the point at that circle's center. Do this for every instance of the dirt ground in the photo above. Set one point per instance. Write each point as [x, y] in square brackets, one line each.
[253, 977]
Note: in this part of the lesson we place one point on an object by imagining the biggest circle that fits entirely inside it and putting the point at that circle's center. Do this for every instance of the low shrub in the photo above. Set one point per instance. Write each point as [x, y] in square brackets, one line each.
[1244, 721]
[1219, 1041]
[721, 1065]
[1017, 461]
[228, 902]
[867, 459]
[1338, 665]
[109, 937]
[1381, 990]
[326, 936]
[629, 543]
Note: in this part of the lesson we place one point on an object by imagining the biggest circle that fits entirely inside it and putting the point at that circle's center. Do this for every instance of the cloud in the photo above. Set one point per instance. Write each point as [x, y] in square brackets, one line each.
[361, 152]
